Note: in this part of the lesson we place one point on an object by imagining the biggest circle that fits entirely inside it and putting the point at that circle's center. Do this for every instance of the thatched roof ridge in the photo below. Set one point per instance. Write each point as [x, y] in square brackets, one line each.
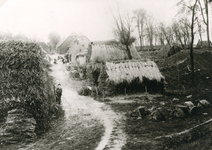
[107, 42]
[111, 52]
[129, 70]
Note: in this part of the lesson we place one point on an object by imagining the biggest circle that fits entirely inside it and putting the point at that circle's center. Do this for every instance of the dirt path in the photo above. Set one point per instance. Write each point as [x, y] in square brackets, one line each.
[84, 112]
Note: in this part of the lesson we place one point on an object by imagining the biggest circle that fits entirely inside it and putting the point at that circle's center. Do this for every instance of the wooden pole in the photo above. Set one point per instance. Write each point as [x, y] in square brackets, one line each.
[145, 89]
[125, 92]
[103, 95]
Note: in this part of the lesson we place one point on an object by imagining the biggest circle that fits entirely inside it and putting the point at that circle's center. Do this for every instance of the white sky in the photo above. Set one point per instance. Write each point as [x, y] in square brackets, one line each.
[37, 18]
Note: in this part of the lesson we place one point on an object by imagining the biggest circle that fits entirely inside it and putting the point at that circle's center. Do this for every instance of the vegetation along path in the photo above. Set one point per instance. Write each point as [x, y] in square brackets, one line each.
[87, 124]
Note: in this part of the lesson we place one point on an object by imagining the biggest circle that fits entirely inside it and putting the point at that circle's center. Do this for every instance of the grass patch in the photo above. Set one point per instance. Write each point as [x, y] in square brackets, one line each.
[77, 132]
[141, 133]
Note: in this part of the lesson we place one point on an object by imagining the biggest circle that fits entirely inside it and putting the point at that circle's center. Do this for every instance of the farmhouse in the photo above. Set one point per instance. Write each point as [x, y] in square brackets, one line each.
[78, 50]
[63, 45]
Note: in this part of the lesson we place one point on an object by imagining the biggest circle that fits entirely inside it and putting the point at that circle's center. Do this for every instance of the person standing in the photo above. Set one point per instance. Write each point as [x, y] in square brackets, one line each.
[58, 93]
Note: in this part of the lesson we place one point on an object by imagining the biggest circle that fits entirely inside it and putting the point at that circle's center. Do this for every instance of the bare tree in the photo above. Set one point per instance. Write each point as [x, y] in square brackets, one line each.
[6, 36]
[177, 33]
[185, 28]
[156, 34]
[150, 31]
[167, 32]
[140, 18]
[205, 17]
[200, 30]
[123, 32]
[190, 6]
[54, 39]
[161, 36]
[21, 37]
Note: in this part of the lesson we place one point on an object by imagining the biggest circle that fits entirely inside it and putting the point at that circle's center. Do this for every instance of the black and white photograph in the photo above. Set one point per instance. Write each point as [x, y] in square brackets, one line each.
[105, 74]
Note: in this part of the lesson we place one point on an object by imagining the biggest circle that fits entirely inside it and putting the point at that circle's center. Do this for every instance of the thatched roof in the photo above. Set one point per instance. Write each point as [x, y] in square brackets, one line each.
[111, 53]
[119, 72]
[107, 42]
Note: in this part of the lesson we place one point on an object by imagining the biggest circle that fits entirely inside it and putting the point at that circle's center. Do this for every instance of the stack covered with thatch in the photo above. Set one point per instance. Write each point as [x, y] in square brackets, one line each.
[111, 70]
[111, 53]
[119, 72]
[20, 126]
[127, 76]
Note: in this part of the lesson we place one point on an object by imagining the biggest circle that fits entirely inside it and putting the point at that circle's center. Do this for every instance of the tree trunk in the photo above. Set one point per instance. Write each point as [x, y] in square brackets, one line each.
[207, 17]
[128, 52]
[183, 46]
[201, 40]
[192, 41]
[140, 43]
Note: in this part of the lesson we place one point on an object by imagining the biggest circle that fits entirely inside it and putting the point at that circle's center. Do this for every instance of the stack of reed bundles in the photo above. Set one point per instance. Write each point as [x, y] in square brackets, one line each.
[119, 72]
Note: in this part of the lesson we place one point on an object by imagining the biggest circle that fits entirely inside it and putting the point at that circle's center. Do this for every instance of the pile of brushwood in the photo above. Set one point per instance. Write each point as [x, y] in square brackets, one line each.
[25, 82]
[173, 50]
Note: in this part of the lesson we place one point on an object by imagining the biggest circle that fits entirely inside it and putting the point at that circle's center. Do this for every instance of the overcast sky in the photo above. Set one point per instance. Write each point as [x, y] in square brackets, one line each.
[37, 18]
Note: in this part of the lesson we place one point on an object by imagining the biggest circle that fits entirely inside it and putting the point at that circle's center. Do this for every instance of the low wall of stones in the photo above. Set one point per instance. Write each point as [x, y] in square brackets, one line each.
[19, 127]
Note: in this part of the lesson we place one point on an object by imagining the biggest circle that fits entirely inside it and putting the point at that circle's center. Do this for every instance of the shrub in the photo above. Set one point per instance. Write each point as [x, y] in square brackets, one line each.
[84, 91]
[174, 50]
[68, 67]
[24, 75]
[74, 74]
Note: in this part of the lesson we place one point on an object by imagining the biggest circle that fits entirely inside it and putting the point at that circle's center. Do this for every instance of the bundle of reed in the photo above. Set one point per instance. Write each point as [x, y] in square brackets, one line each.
[119, 72]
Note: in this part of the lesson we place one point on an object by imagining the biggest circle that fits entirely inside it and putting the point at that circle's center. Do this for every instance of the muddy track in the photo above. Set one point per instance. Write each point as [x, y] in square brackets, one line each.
[82, 108]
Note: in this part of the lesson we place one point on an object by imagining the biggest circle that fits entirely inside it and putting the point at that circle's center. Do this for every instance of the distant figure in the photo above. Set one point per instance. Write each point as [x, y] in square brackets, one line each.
[58, 93]
[63, 60]
[55, 61]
